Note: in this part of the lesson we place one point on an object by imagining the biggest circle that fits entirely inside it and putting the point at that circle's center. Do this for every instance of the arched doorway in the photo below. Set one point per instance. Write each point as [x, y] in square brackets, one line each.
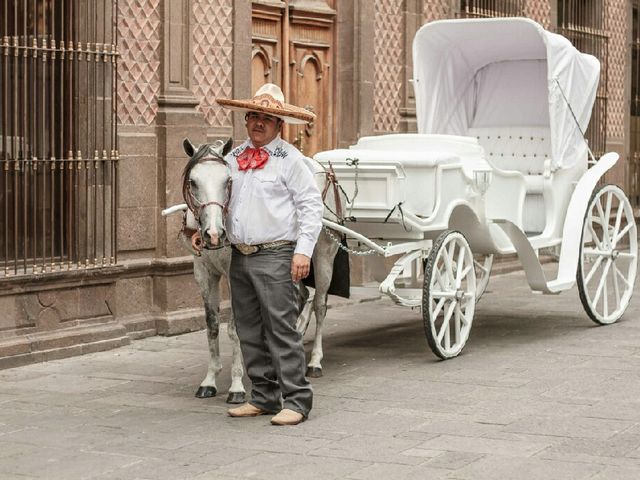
[293, 45]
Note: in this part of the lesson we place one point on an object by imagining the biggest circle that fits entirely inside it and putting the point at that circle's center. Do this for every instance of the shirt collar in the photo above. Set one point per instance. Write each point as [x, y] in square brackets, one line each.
[269, 147]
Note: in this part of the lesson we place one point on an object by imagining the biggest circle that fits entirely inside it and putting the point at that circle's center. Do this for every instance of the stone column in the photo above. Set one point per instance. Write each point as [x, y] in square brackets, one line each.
[179, 307]
[356, 69]
[412, 22]
[241, 63]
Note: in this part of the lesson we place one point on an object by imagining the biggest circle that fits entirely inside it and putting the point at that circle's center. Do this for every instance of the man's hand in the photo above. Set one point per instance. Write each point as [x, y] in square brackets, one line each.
[299, 266]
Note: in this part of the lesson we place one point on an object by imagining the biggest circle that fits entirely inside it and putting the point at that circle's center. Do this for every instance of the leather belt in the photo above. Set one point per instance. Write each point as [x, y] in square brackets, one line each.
[245, 249]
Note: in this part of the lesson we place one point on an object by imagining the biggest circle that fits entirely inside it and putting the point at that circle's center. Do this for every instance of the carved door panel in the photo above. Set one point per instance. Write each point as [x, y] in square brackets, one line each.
[266, 54]
[293, 46]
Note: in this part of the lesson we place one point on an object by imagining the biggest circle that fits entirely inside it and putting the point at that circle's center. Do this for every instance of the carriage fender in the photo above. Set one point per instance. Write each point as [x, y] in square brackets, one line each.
[574, 219]
[571, 234]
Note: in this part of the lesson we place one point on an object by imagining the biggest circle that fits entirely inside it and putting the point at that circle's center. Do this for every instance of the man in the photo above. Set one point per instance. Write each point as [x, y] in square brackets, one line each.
[274, 219]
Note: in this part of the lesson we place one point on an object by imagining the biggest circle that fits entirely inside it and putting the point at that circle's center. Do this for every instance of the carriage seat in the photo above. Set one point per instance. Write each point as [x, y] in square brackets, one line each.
[526, 150]
[523, 149]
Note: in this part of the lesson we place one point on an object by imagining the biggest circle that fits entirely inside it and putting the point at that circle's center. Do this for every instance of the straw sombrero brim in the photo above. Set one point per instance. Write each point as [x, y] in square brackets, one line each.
[267, 104]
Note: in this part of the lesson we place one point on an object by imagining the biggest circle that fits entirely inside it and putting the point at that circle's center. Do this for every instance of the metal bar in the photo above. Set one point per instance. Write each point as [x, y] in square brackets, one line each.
[47, 203]
[115, 157]
[104, 79]
[26, 141]
[4, 60]
[89, 147]
[6, 217]
[104, 207]
[16, 218]
[94, 220]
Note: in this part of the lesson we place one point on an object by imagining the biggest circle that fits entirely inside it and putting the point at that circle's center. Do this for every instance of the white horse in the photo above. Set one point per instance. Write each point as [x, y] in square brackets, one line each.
[206, 188]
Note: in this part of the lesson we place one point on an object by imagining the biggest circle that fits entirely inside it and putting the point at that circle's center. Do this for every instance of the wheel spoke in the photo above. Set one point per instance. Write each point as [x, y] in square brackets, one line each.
[594, 235]
[601, 285]
[463, 316]
[593, 270]
[627, 255]
[445, 322]
[439, 305]
[443, 294]
[605, 297]
[457, 330]
[449, 266]
[607, 218]
[439, 280]
[616, 286]
[622, 233]
[460, 265]
[620, 275]
[447, 338]
[603, 222]
[464, 274]
[616, 227]
[592, 252]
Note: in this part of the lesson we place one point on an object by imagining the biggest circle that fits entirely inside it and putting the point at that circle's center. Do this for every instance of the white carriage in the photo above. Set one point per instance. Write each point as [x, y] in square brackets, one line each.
[499, 166]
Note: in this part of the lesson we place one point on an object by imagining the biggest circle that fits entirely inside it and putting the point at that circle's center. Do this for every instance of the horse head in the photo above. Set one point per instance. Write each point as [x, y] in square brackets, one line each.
[206, 185]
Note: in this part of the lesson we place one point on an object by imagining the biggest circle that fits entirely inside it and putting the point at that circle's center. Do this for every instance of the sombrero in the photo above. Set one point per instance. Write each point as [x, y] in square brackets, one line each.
[270, 99]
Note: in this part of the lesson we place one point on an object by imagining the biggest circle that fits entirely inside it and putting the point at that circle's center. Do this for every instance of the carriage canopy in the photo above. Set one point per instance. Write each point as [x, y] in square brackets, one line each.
[503, 72]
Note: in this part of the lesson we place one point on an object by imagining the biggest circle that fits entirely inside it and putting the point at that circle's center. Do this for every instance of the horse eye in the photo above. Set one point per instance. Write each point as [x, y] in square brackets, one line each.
[192, 183]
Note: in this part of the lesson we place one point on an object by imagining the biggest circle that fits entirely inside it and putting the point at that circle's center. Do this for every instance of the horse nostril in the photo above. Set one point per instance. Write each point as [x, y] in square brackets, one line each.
[196, 241]
[213, 237]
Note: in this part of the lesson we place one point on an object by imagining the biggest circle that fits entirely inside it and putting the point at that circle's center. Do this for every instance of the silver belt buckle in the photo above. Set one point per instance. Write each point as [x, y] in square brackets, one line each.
[245, 249]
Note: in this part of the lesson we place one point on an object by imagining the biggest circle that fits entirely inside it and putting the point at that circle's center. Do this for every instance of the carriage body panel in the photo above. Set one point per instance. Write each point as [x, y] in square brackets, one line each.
[502, 96]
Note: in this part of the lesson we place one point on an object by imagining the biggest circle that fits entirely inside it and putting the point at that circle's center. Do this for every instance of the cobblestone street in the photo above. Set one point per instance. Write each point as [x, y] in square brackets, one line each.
[539, 392]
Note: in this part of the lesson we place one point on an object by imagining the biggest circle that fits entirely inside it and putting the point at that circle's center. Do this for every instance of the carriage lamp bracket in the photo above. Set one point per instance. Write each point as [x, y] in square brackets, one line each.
[482, 180]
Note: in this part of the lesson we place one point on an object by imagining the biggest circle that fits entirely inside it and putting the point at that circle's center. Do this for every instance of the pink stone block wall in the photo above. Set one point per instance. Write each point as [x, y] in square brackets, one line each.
[138, 70]
[212, 58]
[389, 57]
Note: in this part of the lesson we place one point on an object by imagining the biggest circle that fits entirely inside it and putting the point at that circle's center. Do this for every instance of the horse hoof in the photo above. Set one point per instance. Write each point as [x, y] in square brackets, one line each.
[314, 372]
[236, 397]
[206, 392]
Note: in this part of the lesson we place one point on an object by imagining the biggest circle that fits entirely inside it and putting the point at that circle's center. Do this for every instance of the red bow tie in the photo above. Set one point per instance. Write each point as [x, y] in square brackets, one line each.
[252, 158]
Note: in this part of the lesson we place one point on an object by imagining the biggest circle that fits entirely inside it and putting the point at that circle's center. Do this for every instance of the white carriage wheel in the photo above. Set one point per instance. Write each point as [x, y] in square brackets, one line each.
[483, 264]
[449, 294]
[608, 255]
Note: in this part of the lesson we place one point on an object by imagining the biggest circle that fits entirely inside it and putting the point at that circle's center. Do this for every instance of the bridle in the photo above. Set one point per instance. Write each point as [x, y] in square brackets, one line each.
[196, 207]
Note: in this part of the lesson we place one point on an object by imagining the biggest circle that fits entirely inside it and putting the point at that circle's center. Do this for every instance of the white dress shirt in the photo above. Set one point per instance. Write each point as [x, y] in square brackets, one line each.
[280, 201]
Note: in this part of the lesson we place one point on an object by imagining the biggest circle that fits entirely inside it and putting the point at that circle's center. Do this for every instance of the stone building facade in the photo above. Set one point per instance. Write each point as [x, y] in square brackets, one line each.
[350, 60]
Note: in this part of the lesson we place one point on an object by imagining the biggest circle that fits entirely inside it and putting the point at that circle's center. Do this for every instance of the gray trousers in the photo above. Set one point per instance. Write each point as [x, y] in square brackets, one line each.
[266, 311]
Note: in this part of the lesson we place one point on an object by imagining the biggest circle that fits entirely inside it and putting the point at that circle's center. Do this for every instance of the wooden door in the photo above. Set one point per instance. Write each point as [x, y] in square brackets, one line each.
[293, 47]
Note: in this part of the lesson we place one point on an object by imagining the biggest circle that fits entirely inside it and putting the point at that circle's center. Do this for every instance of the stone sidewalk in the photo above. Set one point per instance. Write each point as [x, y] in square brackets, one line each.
[539, 392]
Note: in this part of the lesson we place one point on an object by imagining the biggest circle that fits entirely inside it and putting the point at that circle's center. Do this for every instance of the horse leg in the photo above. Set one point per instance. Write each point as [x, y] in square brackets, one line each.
[323, 257]
[208, 284]
[237, 393]
[305, 307]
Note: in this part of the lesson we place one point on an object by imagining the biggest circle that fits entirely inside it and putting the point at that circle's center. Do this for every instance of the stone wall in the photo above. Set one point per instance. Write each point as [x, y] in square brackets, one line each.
[167, 85]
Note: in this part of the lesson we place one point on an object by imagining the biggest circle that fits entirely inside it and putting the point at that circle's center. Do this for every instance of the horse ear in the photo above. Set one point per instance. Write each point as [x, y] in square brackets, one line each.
[189, 148]
[227, 147]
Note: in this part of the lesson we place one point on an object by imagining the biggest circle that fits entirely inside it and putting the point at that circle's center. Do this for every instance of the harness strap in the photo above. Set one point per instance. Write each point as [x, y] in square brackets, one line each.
[332, 181]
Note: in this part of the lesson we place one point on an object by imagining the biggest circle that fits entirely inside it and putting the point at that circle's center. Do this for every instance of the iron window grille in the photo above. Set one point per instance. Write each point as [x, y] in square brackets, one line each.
[583, 22]
[58, 135]
[491, 8]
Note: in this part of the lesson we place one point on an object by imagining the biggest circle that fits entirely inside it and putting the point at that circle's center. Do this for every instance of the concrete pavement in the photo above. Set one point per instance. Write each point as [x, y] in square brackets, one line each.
[539, 392]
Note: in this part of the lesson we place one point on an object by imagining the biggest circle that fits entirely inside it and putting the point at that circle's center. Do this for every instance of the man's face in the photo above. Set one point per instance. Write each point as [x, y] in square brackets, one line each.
[262, 128]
